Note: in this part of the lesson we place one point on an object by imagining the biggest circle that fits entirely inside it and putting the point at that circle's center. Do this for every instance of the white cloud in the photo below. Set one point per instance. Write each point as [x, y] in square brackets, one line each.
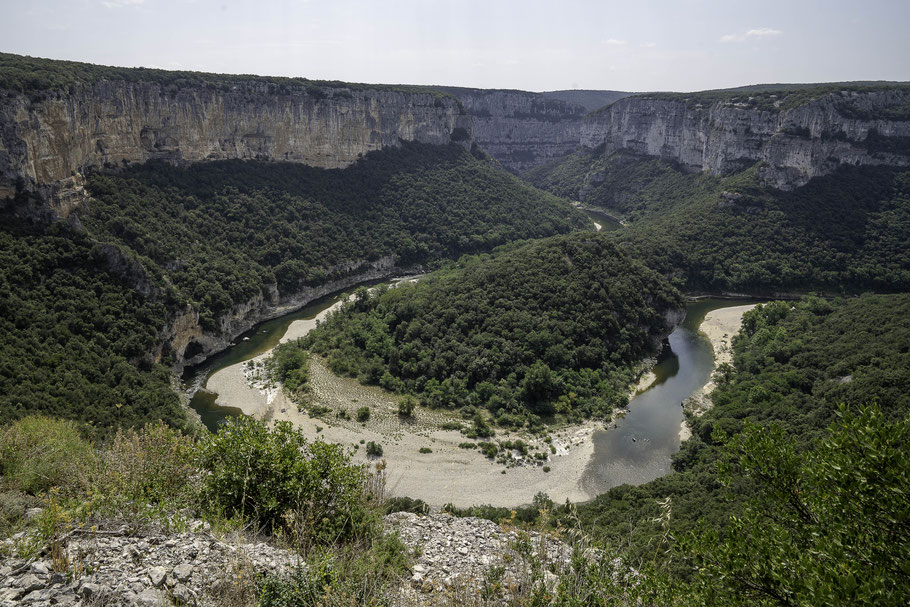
[614, 42]
[758, 32]
[648, 45]
[763, 32]
[121, 3]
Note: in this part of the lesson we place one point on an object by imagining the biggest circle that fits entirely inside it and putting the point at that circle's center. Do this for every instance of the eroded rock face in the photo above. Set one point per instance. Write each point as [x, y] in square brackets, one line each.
[190, 344]
[522, 129]
[48, 140]
[794, 145]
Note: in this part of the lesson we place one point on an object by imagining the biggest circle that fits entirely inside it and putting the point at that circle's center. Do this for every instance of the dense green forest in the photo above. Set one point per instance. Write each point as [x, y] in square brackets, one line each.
[793, 365]
[218, 233]
[841, 233]
[75, 336]
[552, 326]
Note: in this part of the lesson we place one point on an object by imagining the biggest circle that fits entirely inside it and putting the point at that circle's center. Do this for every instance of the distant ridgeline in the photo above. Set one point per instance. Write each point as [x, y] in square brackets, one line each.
[521, 129]
[757, 190]
[558, 326]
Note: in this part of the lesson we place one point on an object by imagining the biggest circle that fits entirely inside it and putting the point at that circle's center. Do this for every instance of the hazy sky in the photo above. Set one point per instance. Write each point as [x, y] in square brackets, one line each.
[632, 45]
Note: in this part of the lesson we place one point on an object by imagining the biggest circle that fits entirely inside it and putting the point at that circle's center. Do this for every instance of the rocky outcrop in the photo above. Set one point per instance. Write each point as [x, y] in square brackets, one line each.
[521, 129]
[461, 560]
[124, 567]
[190, 344]
[49, 139]
[794, 145]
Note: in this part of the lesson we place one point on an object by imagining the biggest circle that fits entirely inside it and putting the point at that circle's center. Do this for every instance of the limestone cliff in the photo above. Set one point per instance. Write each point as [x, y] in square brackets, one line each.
[521, 129]
[795, 142]
[49, 138]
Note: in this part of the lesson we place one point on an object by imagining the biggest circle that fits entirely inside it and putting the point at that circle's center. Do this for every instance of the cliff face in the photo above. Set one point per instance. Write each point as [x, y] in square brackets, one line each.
[795, 145]
[521, 129]
[48, 140]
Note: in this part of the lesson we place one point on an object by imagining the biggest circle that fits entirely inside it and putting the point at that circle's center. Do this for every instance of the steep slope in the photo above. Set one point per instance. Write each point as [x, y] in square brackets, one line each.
[59, 118]
[845, 232]
[521, 129]
[74, 333]
[231, 243]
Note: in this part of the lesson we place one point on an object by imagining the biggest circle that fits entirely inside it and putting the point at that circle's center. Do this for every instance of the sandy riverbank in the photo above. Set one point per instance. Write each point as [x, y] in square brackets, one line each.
[447, 474]
[719, 326]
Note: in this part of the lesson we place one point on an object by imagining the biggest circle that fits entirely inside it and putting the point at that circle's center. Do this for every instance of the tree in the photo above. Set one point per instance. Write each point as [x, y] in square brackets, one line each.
[829, 527]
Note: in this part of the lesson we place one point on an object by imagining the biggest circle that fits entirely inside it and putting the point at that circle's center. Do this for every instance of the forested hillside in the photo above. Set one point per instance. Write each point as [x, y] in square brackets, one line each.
[220, 232]
[793, 365]
[78, 338]
[842, 233]
[554, 326]
[75, 336]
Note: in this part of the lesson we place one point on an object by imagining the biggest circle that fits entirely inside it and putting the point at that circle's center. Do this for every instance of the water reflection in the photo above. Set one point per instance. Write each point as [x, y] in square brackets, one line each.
[640, 447]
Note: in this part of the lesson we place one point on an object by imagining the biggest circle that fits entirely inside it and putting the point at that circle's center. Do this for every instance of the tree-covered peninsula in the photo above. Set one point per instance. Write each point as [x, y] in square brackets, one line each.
[557, 326]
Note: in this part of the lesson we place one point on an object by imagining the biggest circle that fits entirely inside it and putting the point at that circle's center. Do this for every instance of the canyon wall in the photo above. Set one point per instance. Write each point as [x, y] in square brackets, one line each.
[48, 139]
[794, 144]
[521, 129]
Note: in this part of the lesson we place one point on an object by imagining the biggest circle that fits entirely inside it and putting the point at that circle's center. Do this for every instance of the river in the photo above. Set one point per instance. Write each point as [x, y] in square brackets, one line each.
[261, 338]
[639, 449]
[636, 451]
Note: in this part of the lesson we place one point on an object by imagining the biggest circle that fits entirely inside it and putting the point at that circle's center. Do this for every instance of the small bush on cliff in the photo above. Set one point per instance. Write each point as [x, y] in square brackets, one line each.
[279, 480]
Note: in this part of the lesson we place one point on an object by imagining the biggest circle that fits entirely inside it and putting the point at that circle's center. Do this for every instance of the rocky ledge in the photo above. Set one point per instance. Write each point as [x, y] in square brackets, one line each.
[120, 567]
[460, 559]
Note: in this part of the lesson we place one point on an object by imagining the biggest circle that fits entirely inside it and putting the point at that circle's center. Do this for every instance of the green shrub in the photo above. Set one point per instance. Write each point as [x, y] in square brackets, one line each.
[277, 479]
[37, 453]
[406, 406]
[406, 504]
[340, 578]
[290, 365]
[363, 414]
[425, 450]
[488, 449]
[374, 449]
[154, 467]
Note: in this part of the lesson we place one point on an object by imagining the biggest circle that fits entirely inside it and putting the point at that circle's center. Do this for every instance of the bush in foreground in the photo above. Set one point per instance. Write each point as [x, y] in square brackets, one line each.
[279, 480]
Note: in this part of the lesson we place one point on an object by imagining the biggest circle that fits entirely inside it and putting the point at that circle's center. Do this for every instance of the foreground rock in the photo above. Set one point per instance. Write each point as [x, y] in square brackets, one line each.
[458, 561]
[121, 568]
[466, 561]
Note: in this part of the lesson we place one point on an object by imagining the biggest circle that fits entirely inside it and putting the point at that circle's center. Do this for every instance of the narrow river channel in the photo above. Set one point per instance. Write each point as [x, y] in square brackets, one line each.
[261, 338]
[639, 449]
